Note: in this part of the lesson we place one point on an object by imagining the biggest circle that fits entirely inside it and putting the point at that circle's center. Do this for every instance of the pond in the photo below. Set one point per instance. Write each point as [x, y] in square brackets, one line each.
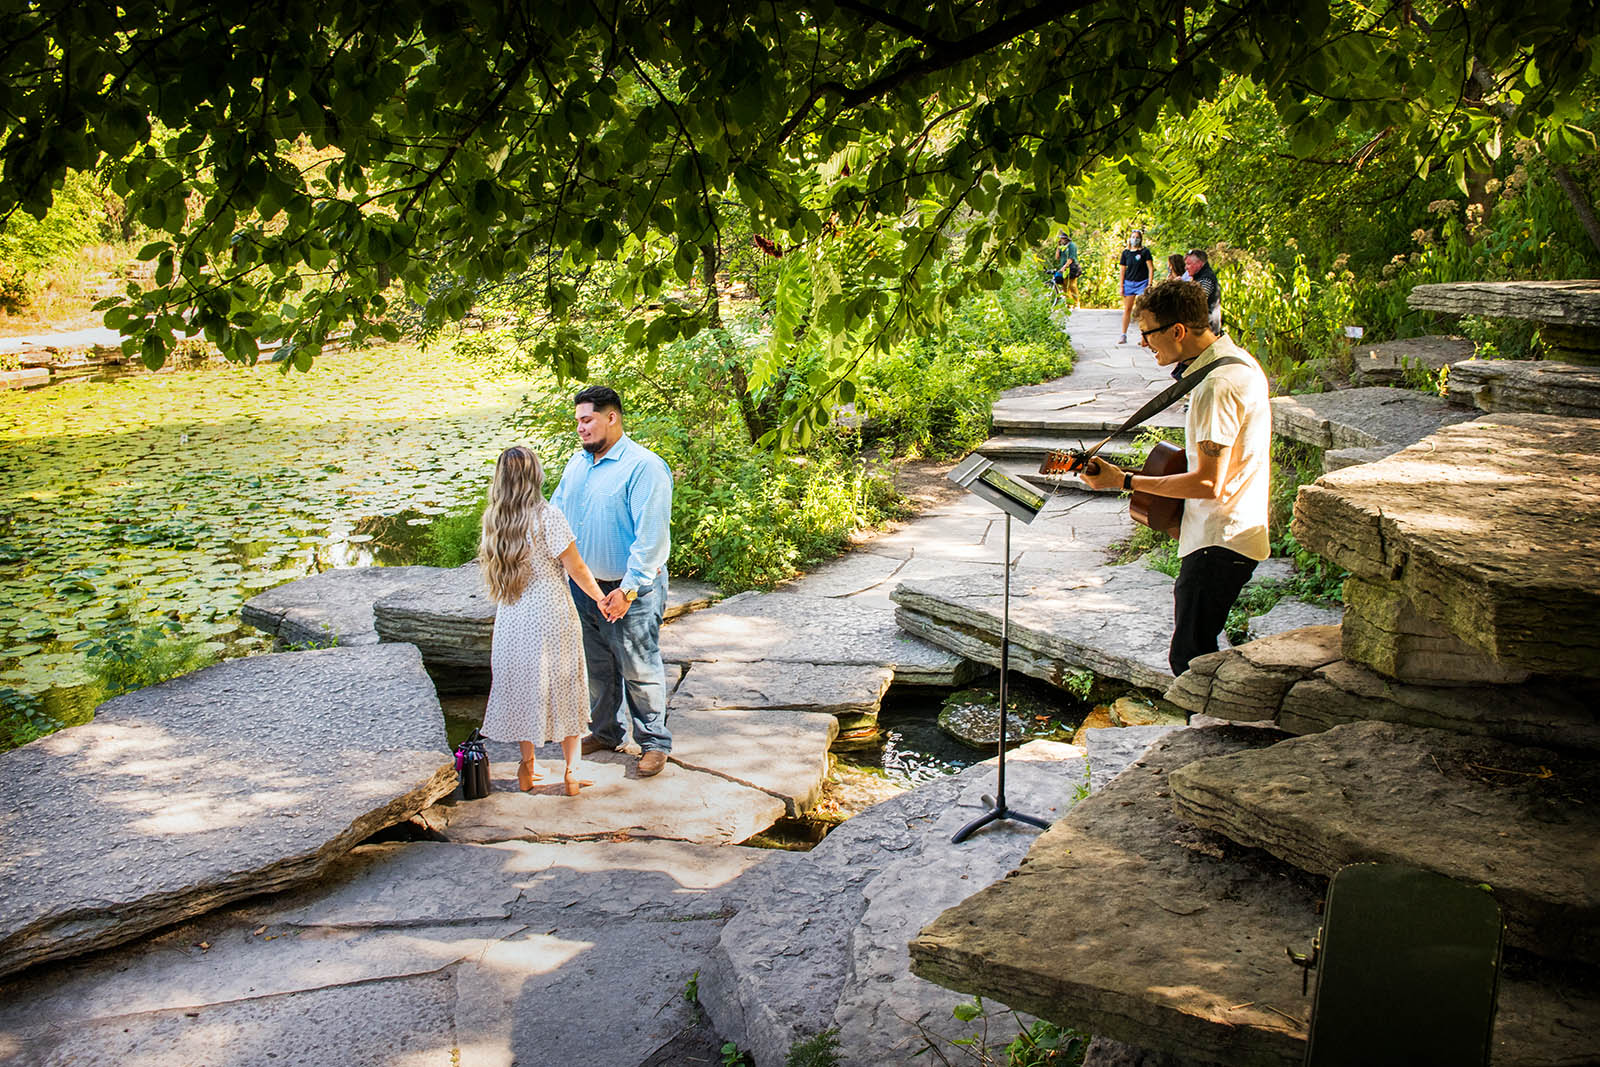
[177, 496]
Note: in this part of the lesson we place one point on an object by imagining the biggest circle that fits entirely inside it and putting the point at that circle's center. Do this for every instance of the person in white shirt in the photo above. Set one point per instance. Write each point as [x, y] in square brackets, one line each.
[1228, 431]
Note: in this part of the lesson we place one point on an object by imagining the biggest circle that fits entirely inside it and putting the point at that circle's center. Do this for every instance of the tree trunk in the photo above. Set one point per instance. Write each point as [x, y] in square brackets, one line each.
[754, 423]
[1580, 204]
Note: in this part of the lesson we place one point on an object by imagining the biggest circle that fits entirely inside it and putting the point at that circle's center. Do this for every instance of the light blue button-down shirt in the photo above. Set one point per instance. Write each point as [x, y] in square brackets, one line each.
[620, 509]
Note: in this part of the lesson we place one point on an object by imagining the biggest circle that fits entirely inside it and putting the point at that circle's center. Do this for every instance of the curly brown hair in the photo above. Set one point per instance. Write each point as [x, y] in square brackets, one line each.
[1176, 301]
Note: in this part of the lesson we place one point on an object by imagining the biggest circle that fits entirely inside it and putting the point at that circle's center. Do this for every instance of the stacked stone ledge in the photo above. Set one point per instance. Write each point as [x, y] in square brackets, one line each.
[1448, 723]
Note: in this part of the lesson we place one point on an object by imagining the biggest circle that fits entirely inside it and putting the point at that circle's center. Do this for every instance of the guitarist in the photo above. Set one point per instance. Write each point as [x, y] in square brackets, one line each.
[1228, 430]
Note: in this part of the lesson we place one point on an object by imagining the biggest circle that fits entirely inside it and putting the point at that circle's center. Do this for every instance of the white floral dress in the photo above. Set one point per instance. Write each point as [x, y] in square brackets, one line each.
[540, 688]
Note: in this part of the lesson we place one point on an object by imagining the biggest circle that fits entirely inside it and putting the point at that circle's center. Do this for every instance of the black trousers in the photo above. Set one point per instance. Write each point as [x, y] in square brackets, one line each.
[1209, 581]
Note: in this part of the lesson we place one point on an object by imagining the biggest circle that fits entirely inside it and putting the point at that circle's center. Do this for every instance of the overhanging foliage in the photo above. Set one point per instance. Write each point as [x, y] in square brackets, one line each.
[300, 159]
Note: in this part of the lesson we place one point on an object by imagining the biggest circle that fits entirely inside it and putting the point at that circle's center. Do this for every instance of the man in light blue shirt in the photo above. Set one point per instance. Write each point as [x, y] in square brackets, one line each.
[617, 496]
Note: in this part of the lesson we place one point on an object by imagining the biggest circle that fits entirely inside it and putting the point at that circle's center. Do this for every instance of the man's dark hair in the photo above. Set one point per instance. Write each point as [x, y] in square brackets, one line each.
[601, 396]
[1176, 301]
[1200, 254]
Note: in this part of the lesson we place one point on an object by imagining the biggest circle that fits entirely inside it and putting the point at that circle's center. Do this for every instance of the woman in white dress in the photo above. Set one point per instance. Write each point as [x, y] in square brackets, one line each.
[540, 688]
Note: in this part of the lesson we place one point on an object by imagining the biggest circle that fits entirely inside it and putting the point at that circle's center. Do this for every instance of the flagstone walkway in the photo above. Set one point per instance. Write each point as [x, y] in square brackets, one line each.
[578, 932]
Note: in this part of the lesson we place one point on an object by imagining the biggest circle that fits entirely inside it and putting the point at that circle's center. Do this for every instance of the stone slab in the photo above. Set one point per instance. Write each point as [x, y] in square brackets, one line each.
[1389, 362]
[1373, 417]
[781, 753]
[334, 607]
[678, 804]
[1113, 751]
[617, 927]
[1525, 821]
[448, 615]
[820, 942]
[1545, 386]
[24, 378]
[1557, 713]
[843, 689]
[1568, 303]
[795, 628]
[1382, 630]
[1249, 683]
[1490, 528]
[1128, 921]
[1114, 621]
[1291, 614]
[240, 778]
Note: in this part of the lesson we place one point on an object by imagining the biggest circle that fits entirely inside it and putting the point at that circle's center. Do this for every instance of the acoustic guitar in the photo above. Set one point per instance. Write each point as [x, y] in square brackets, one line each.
[1161, 513]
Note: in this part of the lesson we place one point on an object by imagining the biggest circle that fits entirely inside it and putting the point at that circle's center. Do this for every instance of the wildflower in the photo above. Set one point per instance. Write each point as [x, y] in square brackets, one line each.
[1442, 207]
[1474, 214]
[1341, 260]
[1492, 186]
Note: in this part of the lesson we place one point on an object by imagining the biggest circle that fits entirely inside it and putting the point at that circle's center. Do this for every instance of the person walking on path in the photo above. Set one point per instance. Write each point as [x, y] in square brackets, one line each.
[618, 495]
[1067, 269]
[1229, 433]
[1137, 263]
[1200, 271]
[539, 689]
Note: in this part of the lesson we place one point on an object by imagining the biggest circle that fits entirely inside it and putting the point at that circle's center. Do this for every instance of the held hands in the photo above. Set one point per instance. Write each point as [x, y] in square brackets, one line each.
[615, 605]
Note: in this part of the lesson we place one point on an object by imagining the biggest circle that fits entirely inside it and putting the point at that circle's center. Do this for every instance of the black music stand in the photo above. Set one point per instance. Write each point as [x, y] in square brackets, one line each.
[981, 478]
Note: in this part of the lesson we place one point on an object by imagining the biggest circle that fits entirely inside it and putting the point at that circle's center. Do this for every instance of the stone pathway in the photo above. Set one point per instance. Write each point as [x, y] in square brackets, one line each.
[186, 795]
[531, 916]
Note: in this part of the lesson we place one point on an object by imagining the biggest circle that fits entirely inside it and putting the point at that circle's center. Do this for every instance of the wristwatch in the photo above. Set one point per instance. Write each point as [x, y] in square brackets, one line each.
[631, 595]
[1127, 481]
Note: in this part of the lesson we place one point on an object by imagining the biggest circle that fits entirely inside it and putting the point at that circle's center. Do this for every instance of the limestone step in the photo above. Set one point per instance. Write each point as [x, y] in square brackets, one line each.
[1114, 621]
[1127, 920]
[1091, 420]
[1547, 386]
[820, 941]
[415, 953]
[1524, 821]
[335, 607]
[1373, 417]
[802, 629]
[240, 778]
[448, 615]
[1489, 528]
[1299, 679]
[1033, 448]
[1389, 362]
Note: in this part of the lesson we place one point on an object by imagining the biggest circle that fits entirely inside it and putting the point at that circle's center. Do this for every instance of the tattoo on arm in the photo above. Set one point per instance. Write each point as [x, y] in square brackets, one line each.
[1210, 448]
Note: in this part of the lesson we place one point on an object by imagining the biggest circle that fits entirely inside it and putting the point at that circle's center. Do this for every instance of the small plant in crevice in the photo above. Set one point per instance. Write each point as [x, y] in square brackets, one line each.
[818, 1050]
[1038, 1044]
[733, 1056]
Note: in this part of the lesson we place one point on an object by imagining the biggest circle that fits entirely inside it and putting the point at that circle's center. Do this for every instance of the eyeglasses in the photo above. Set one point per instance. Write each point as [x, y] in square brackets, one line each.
[1144, 335]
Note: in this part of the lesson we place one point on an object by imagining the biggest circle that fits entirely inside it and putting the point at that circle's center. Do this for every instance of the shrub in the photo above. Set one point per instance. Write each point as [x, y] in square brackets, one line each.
[23, 718]
[934, 397]
[128, 657]
[452, 538]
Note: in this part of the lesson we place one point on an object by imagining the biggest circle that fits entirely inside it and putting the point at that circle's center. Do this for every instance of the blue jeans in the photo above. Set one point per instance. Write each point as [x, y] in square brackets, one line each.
[625, 669]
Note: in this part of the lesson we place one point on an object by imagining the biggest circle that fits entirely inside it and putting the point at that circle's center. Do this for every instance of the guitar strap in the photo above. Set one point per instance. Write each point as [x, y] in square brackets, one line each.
[1167, 397]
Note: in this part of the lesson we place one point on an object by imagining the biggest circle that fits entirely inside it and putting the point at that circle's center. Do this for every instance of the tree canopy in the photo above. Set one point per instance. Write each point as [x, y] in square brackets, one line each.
[299, 162]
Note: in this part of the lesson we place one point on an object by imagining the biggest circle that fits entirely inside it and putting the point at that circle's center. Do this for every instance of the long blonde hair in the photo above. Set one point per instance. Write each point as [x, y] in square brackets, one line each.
[516, 499]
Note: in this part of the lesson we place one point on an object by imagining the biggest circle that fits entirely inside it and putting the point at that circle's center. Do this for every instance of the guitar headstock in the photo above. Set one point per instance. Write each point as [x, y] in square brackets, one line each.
[1065, 461]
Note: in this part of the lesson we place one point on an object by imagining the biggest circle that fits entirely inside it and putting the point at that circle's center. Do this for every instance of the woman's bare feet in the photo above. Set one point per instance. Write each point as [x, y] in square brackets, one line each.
[573, 783]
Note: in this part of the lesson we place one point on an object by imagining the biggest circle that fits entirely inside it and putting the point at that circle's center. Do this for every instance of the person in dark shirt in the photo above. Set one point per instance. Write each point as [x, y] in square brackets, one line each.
[1200, 271]
[1136, 265]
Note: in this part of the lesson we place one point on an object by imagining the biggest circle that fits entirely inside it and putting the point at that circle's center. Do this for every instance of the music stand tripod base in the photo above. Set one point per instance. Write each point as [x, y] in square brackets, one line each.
[979, 477]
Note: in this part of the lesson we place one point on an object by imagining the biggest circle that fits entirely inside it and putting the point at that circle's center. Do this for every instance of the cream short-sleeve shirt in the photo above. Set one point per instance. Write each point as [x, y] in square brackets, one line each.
[1231, 407]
